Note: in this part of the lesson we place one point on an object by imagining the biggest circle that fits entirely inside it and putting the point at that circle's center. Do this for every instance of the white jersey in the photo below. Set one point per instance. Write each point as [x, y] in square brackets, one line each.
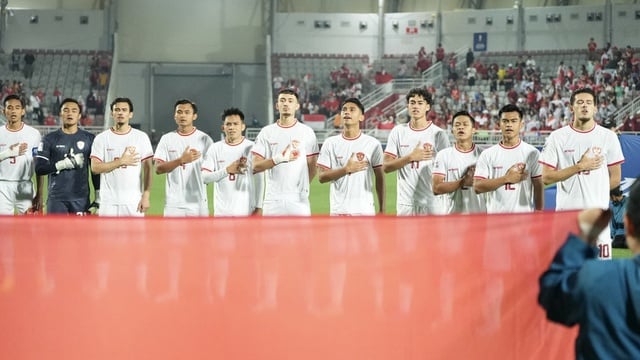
[122, 186]
[234, 194]
[564, 148]
[19, 168]
[184, 185]
[352, 194]
[452, 164]
[494, 162]
[287, 181]
[414, 185]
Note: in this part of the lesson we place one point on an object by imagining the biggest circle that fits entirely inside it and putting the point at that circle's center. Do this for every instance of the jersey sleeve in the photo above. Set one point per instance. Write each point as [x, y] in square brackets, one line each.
[324, 159]
[43, 161]
[312, 144]
[483, 169]
[439, 165]
[549, 155]
[392, 143]
[261, 147]
[377, 156]
[161, 150]
[97, 148]
[441, 140]
[146, 150]
[614, 152]
[534, 164]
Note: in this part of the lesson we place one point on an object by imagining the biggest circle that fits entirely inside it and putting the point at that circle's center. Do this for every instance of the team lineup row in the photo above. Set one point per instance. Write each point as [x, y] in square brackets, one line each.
[271, 176]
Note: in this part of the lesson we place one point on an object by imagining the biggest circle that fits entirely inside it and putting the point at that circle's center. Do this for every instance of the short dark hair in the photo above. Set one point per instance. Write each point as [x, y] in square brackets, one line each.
[122, 100]
[510, 108]
[354, 101]
[14, 97]
[71, 100]
[288, 91]
[420, 92]
[463, 113]
[186, 102]
[232, 111]
[585, 90]
[633, 208]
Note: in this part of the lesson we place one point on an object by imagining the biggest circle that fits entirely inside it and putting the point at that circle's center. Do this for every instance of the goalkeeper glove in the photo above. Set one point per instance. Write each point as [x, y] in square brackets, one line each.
[71, 161]
[284, 156]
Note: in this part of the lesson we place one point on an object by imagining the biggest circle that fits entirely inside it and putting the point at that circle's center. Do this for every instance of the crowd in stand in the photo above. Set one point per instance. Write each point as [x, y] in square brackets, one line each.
[42, 108]
[613, 72]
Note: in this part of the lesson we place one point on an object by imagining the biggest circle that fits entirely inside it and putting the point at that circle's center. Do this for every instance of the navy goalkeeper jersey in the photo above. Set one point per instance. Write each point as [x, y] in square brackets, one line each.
[71, 184]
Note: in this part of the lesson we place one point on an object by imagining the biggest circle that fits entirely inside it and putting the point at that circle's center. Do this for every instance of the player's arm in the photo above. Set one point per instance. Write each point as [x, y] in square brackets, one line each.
[538, 193]
[419, 153]
[188, 156]
[147, 168]
[380, 189]
[261, 164]
[312, 161]
[587, 162]
[445, 187]
[512, 176]
[258, 188]
[17, 149]
[353, 165]
[128, 158]
[37, 199]
[615, 176]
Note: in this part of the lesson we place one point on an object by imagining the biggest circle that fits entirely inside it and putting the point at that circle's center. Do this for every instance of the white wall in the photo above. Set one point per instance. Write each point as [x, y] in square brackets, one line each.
[49, 33]
[295, 32]
[194, 31]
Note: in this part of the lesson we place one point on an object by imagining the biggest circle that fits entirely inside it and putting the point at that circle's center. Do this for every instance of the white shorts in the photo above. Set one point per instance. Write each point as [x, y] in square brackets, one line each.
[437, 208]
[119, 210]
[187, 210]
[286, 207]
[15, 197]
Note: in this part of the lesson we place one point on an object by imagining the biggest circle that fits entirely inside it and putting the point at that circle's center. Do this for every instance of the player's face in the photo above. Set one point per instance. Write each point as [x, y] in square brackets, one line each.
[232, 127]
[121, 113]
[184, 115]
[584, 107]
[13, 111]
[418, 107]
[70, 114]
[287, 105]
[462, 128]
[510, 124]
[351, 115]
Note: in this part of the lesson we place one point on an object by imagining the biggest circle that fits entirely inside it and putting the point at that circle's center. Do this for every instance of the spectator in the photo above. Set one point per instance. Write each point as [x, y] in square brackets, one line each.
[592, 46]
[470, 58]
[29, 59]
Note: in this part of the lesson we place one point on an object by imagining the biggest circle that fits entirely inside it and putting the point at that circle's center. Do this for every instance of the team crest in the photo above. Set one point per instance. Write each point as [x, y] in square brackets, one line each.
[360, 156]
[427, 146]
[80, 145]
[596, 150]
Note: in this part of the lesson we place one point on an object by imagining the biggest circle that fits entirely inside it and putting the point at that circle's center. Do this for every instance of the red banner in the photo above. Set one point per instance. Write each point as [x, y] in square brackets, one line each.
[454, 287]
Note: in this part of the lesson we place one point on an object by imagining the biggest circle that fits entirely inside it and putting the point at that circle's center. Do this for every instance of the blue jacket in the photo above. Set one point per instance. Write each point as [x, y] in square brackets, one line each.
[602, 297]
[616, 225]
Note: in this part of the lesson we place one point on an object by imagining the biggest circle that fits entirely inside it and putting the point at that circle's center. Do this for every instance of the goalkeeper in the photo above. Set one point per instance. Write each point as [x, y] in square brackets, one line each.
[63, 155]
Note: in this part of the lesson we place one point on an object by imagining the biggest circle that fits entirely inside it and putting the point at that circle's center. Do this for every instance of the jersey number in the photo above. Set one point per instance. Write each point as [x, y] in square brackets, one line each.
[232, 177]
[604, 251]
[509, 186]
[12, 160]
[415, 164]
